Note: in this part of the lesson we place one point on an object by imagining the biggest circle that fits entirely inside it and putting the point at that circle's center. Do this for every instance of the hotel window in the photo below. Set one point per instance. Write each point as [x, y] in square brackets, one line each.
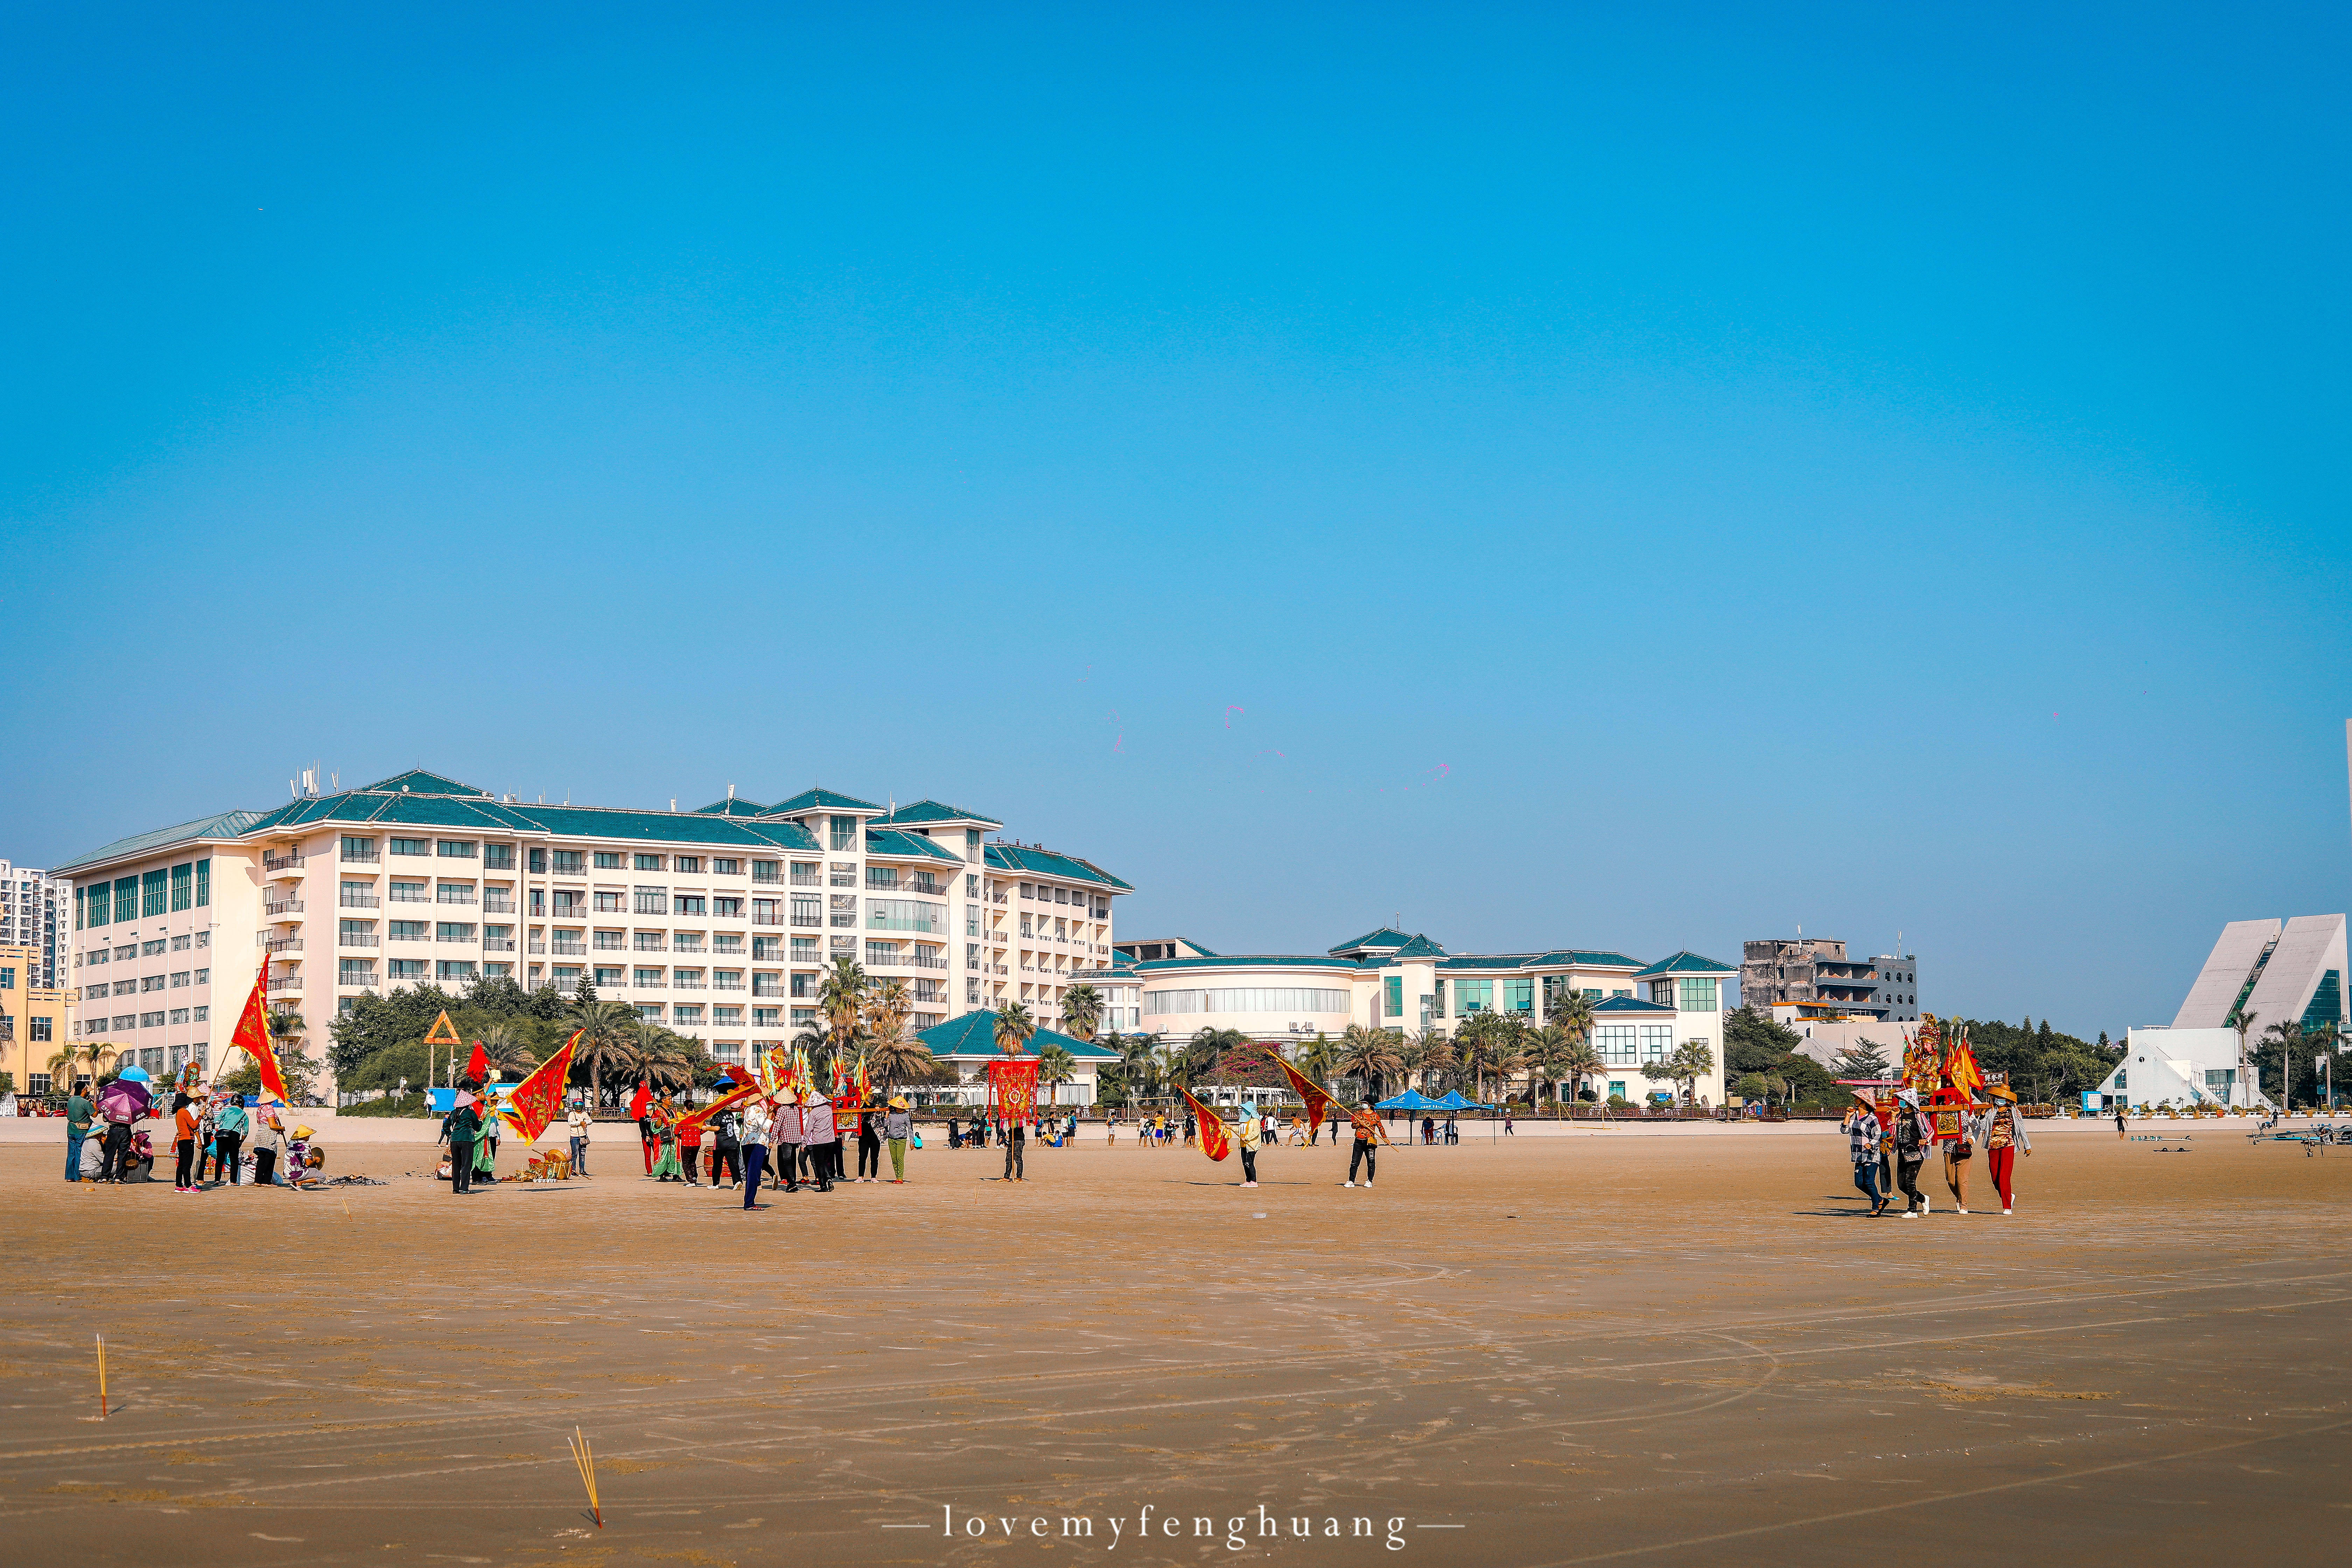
[454, 893]
[689, 1013]
[405, 931]
[497, 856]
[608, 861]
[728, 941]
[568, 905]
[154, 894]
[538, 903]
[203, 977]
[687, 863]
[1519, 996]
[150, 1020]
[204, 883]
[723, 1014]
[178, 977]
[126, 899]
[1592, 995]
[653, 901]
[610, 976]
[726, 867]
[800, 1015]
[456, 849]
[183, 887]
[843, 833]
[1473, 996]
[1620, 994]
[727, 909]
[42, 1024]
[452, 930]
[411, 847]
[1700, 995]
[651, 863]
[567, 862]
[1615, 1042]
[765, 1018]
[649, 1012]
[539, 861]
[649, 979]
[609, 903]
[684, 904]
[1657, 1042]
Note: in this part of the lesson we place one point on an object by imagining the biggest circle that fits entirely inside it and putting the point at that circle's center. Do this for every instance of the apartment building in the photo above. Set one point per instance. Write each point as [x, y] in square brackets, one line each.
[1395, 980]
[34, 1022]
[32, 913]
[1815, 976]
[717, 923]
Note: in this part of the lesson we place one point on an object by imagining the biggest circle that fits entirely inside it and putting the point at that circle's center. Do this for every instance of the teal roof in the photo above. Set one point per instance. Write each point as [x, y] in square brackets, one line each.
[1419, 947]
[1247, 961]
[416, 781]
[1387, 936]
[1486, 961]
[820, 800]
[731, 806]
[1577, 958]
[913, 846]
[974, 1035]
[934, 811]
[1046, 863]
[1629, 1005]
[227, 825]
[1686, 963]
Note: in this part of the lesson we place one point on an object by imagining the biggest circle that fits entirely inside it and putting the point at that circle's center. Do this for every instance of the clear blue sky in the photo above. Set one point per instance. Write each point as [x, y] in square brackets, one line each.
[1634, 477]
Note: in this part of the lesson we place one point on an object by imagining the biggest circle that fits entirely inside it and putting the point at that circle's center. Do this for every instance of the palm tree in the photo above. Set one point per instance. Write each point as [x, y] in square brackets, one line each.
[1055, 1066]
[1438, 1055]
[1139, 1059]
[1412, 1057]
[503, 1045]
[1082, 1010]
[841, 998]
[1578, 1060]
[887, 1007]
[2288, 1033]
[1571, 1012]
[1691, 1060]
[603, 1039]
[1511, 1054]
[1014, 1027]
[1477, 1038]
[901, 1061]
[1370, 1054]
[2243, 1022]
[1315, 1057]
[1203, 1052]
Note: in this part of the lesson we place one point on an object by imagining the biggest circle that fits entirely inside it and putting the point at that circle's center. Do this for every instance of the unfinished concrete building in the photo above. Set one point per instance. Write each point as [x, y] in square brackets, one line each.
[1818, 979]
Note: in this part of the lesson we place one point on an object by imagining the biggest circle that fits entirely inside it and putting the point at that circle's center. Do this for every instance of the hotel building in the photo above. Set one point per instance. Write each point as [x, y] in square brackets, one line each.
[34, 1021]
[1393, 980]
[715, 923]
[32, 914]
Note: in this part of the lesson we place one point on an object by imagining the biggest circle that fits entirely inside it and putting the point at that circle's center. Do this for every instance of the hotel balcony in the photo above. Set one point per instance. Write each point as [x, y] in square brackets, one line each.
[289, 864]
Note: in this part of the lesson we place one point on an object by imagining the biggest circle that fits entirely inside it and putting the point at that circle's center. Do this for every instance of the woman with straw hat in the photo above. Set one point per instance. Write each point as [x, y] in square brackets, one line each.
[2002, 1132]
[896, 1125]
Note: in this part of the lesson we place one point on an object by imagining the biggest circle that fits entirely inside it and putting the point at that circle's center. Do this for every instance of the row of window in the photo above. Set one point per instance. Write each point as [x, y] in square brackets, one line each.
[97, 989]
[1044, 893]
[98, 955]
[188, 885]
[125, 1021]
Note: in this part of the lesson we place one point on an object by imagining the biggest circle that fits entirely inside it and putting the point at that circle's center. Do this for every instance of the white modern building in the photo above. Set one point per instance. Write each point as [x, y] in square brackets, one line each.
[715, 921]
[32, 915]
[1393, 980]
[2260, 973]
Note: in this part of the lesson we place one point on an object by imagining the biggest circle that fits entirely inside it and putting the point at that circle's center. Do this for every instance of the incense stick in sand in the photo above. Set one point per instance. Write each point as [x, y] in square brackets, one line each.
[587, 1463]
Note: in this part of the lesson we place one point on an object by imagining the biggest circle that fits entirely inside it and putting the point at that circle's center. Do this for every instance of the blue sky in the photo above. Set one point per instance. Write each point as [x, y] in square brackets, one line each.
[1554, 475]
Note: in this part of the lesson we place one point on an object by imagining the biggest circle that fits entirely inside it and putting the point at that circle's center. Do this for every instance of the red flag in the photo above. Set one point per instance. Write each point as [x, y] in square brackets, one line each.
[252, 1037]
[478, 1065]
[696, 1121]
[638, 1103]
[1215, 1143]
[537, 1098]
[1319, 1101]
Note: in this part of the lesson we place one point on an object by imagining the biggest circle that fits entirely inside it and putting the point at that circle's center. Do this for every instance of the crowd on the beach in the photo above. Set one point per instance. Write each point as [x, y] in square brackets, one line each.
[1888, 1155]
[211, 1131]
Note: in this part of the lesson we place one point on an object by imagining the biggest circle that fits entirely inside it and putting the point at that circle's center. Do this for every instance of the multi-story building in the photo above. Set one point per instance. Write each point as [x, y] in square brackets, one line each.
[1389, 979]
[715, 923]
[1814, 976]
[32, 913]
[34, 1022]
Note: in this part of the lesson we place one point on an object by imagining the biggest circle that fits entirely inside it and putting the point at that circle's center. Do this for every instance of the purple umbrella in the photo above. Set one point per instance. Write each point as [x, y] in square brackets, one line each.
[123, 1101]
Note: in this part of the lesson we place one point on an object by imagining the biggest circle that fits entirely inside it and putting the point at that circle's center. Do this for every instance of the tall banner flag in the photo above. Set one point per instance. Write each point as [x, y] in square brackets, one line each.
[536, 1100]
[252, 1037]
[1215, 1143]
[696, 1121]
[1013, 1089]
[1319, 1101]
[1961, 1069]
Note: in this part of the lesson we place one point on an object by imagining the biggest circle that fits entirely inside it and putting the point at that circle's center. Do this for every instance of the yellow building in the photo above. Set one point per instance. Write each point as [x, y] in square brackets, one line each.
[34, 1026]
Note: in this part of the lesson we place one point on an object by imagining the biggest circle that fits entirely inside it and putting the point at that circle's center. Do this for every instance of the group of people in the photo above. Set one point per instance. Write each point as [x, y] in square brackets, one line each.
[210, 1131]
[1902, 1147]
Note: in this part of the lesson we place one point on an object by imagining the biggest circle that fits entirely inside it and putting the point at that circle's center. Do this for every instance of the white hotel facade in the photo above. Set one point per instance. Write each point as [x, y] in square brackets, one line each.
[717, 923]
[1395, 980]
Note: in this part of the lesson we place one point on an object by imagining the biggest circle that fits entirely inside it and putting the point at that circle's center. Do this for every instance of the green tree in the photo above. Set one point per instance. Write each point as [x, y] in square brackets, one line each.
[1056, 1066]
[1571, 1012]
[841, 998]
[1369, 1056]
[1862, 1059]
[1082, 1010]
[1689, 1062]
[1014, 1027]
[1139, 1060]
[1578, 1061]
[605, 1029]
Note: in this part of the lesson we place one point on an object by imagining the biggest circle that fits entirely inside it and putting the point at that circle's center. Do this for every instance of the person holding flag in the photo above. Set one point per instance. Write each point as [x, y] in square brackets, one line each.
[1370, 1136]
[641, 1105]
[1215, 1141]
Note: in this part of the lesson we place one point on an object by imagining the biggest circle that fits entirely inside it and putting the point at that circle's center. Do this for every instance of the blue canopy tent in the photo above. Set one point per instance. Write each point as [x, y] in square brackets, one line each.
[1411, 1099]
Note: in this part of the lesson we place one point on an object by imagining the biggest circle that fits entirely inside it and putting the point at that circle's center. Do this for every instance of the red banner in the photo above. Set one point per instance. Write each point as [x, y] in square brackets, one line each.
[1319, 1101]
[252, 1038]
[1215, 1143]
[536, 1100]
[695, 1122]
[1013, 1089]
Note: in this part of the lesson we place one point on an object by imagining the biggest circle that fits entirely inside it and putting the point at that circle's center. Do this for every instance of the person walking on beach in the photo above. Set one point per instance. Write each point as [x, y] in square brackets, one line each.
[689, 1135]
[822, 1141]
[791, 1141]
[1863, 1138]
[2120, 1128]
[2003, 1132]
[79, 1113]
[1914, 1135]
[578, 1125]
[727, 1149]
[1251, 1129]
[229, 1124]
[896, 1128]
[458, 1128]
[1368, 1134]
[1016, 1138]
[758, 1126]
[1959, 1154]
[869, 1146]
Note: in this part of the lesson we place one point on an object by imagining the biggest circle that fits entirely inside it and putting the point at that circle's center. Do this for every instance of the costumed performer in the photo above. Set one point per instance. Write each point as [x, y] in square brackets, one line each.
[664, 1116]
[2003, 1132]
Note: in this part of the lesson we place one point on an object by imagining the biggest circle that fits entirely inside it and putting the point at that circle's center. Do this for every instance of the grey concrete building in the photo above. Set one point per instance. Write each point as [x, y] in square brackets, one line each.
[1820, 979]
